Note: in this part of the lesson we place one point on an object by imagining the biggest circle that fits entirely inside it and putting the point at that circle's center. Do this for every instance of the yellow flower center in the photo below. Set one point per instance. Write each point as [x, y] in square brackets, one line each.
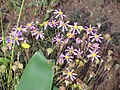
[96, 36]
[25, 45]
[58, 40]
[53, 22]
[16, 38]
[93, 55]
[67, 57]
[69, 73]
[39, 33]
[19, 29]
[64, 24]
[29, 24]
[75, 27]
[71, 51]
[34, 31]
[60, 12]
[90, 29]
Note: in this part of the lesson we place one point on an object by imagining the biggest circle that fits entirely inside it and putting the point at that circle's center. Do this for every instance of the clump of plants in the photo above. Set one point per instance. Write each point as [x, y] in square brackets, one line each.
[76, 52]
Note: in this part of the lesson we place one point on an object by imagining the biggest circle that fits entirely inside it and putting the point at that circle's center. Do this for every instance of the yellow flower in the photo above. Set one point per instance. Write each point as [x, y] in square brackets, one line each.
[70, 35]
[25, 45]
[41, 24]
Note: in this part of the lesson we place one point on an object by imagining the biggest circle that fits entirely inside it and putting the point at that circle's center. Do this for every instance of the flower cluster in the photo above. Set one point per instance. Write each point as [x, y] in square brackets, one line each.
[19, 35]
[75, 44]
[78, 45]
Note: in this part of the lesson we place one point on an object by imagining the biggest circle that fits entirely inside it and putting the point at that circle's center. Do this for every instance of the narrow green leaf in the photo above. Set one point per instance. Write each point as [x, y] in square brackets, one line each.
[38, 74]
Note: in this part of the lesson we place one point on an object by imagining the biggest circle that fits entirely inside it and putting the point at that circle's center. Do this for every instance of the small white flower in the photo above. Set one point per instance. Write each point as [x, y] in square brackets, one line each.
[64, 25]
[70, 74]
[59, 13]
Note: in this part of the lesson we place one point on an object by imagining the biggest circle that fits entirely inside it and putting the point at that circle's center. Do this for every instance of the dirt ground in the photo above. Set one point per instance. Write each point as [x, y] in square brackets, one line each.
[107, 14]
[103, 12]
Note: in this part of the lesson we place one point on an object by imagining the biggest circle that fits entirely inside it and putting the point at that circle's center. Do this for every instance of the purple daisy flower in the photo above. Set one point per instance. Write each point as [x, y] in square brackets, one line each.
[20, 29]
[70, 50]
[39, 34]
[70, 74]
[57, 39]
[64, 25]
[93, 55]
[29, 26]
[90, 29]
[75, 27]
[34, 31]
[68, 57]
[16, 35]
[59, 14]
[54, 23]
[96, 37]
[9, 44]
[61, 59]
[17, 39]
[78, 53]
[79, 41]
[95, 46]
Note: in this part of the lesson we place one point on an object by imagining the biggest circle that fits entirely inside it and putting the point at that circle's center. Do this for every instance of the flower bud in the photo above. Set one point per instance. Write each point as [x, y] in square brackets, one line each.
[20, 66]
[107, 36]
[2, 68]
[4, 48]
[14, 67]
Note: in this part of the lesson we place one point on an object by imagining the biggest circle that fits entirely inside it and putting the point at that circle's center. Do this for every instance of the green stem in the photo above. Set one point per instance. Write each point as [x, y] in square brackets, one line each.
[13, 47]
[3, 37]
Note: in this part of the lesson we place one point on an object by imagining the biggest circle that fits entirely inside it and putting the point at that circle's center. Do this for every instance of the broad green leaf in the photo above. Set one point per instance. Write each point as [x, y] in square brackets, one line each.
[55, 88]
[38, 74]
